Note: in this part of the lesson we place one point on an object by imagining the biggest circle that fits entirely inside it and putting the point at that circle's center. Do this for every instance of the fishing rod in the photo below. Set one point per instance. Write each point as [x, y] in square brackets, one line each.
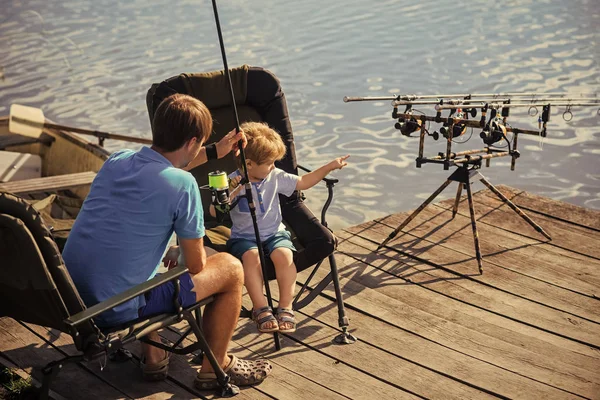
[247, 183]
[495, 130]
[492, 100]
[493, 105]
[412, 97]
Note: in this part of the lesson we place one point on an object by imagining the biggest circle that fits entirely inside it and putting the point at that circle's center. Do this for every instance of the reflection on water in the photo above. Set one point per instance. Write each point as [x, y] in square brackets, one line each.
[89, 63]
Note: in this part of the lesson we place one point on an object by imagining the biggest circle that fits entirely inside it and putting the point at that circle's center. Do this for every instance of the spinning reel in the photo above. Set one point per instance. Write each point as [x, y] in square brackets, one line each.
[408, 126]
[218, 184]
[495, 130]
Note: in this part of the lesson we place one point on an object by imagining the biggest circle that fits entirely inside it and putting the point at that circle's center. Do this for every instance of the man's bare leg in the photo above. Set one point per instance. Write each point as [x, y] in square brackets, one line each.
[222, 276]
[153, 355]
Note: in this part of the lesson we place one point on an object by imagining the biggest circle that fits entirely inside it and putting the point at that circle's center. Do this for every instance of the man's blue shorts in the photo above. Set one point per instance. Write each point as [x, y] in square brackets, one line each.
[160, 299]
[238, 246]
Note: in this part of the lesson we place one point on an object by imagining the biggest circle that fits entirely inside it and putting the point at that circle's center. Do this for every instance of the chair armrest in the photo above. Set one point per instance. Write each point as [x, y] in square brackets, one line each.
[329, 181]
[127, 295]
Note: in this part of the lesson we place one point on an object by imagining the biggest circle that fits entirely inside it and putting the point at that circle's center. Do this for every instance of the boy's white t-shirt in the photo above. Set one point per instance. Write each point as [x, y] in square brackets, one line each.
[266, 201]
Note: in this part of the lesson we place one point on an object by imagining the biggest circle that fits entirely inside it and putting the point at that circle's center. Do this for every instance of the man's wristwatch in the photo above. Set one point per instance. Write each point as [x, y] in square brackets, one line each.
[211, 152]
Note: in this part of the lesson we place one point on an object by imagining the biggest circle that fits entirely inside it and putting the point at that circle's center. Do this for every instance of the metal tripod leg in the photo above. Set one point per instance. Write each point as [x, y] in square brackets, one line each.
[474, 226]
[457, 200]
[514, 207]
[414, 214]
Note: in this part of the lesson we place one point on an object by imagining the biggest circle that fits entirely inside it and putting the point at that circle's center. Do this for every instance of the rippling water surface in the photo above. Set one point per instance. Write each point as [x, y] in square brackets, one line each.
[90, 63]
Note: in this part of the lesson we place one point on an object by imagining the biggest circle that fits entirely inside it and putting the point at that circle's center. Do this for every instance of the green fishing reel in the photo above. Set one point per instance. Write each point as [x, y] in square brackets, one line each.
[218, 183]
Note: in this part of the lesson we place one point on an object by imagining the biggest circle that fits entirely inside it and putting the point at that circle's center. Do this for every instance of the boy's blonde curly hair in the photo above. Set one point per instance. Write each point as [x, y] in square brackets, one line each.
[264, 144]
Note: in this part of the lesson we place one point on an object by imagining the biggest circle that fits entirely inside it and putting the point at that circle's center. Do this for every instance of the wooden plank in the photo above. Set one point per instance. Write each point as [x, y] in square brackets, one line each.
[49, 183]
[127, 376]
[182, 373]
[554, 208]
[30, 353]
[383, 358]
[488, 303]
[439, 231]
[525, 256]
[14, 139]
[444, 256]
[281, 383]
[303, 373]
[490, 210]
[25, 376]
[459, 338]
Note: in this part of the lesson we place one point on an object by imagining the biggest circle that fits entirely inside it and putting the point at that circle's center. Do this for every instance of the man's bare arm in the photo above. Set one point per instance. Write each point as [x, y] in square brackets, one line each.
[200, 159]
[227, 144]
[194, 254]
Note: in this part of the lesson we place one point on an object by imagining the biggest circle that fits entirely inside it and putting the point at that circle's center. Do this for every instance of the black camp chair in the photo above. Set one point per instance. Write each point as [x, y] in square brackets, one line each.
[259, 98]
[35, 287]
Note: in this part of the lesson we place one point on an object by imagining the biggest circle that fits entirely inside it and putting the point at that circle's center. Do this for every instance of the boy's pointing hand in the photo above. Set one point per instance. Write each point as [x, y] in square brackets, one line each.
[339, 162]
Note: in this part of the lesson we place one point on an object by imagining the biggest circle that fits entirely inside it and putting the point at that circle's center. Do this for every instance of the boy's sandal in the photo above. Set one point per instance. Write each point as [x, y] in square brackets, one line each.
[285, 316]
[240, 372]
[262, 322]
[156, 372]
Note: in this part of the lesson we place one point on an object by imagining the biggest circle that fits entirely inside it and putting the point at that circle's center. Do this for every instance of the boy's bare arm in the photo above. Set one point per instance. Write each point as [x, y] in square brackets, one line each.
[312, 178]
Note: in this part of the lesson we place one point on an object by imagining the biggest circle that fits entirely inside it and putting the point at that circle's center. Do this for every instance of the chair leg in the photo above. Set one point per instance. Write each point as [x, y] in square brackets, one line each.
[345, 337]
[227, 389]
[51, 370]
[200, 355]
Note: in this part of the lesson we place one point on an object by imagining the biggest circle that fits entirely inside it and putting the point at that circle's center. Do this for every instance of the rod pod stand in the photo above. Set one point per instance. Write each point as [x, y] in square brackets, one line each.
[464, 175]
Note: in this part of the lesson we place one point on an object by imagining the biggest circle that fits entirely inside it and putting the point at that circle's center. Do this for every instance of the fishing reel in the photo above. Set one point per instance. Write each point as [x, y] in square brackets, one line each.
[408, 126]
[218, 184]
[493, 132]
[457, 130]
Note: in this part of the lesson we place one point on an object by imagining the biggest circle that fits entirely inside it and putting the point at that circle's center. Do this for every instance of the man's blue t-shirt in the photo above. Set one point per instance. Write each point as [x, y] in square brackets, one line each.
[136, 202]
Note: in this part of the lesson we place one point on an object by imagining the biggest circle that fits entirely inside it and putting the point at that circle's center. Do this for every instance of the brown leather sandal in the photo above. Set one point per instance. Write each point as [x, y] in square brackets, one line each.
[268, 317]
[286, 316]
[240, 372]
[156, 372]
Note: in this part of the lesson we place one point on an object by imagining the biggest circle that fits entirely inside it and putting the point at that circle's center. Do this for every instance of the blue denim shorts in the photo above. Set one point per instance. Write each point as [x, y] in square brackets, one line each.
[238, 246]
[160, 299]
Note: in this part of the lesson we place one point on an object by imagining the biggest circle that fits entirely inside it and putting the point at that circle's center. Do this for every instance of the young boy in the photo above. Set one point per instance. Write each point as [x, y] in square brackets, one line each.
[264, 148]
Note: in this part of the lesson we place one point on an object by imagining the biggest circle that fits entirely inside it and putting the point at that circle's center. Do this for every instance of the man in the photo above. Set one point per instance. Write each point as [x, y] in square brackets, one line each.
[136, 202]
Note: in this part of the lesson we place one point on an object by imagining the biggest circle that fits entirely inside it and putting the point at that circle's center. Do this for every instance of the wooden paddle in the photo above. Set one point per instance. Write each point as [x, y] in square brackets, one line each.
[30, 121]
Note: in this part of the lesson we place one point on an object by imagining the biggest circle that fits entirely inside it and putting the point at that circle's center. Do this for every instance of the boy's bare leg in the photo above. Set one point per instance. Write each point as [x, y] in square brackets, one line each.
[222, 275]
[253, 280]
[286, 276]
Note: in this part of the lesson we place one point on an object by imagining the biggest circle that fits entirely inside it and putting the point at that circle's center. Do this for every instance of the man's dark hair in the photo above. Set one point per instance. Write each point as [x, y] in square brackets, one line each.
[178, 119]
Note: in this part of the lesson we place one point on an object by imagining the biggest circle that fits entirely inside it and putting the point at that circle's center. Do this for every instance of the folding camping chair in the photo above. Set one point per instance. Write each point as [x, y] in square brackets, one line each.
[259, 98]
[35, 287]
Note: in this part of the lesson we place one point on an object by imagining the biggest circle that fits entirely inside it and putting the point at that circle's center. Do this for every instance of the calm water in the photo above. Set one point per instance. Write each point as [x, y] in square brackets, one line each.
[90, 63]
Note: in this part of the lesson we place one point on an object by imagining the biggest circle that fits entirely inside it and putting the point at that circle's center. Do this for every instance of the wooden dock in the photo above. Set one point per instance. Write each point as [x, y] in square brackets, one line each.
[429, 325]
